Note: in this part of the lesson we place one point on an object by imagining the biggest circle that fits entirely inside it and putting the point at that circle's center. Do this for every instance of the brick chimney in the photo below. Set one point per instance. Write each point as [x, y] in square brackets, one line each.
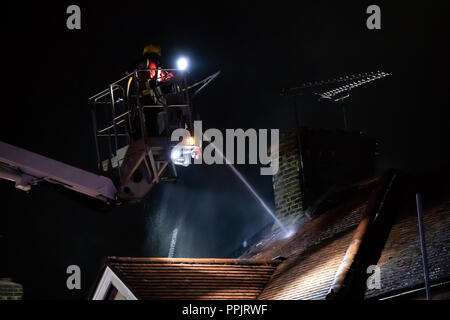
[287, 191]
[312, 161]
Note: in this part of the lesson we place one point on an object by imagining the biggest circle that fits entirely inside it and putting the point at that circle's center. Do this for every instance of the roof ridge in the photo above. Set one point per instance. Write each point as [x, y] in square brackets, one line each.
[160, 260]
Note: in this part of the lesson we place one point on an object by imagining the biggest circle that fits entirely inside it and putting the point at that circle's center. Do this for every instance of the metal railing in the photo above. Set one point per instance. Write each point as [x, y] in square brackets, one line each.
[118, 126]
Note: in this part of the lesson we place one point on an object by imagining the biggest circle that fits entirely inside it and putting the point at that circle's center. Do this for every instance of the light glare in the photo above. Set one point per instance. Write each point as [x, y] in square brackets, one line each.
[175, 154]
[182, 63]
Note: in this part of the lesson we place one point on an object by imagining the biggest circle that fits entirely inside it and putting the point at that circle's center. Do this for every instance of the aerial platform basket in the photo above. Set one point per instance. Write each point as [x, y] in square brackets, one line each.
[132, 131]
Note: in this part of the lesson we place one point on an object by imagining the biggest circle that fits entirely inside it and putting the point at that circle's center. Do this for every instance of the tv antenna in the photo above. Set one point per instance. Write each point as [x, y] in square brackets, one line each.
[335, 94]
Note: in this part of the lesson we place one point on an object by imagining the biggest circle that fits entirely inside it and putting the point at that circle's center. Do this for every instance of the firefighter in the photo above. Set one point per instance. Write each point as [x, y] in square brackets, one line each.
[149, 90]
[150, 61]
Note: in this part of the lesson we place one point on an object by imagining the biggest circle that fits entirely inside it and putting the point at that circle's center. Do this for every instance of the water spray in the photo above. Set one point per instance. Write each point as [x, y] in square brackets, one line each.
[249, 187]
[173, 243]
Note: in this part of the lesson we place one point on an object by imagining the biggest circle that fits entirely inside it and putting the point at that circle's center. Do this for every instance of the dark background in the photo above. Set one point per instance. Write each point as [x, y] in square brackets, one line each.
[49, 72]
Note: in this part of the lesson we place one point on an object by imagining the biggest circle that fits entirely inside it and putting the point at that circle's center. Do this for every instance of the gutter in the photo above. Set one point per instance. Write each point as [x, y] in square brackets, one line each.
[374, 207]
[437, 285]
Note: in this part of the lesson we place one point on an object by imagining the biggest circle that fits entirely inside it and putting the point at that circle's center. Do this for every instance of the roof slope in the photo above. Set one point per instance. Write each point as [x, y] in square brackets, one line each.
[309, 275]
[316, 251]
[190, 279]
[341, 211]
[401, 259]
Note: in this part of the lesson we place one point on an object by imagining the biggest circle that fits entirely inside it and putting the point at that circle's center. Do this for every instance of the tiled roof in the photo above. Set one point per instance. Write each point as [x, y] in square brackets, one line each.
[309, 275]
[340, 213]
[316, 251]
[401, 259]
[314, 256]
[190, 279]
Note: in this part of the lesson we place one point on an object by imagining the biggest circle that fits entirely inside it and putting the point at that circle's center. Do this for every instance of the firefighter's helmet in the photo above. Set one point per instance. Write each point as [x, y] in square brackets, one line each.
[151, 48]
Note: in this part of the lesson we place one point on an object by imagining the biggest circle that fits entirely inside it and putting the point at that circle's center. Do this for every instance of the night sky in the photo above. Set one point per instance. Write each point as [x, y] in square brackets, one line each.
[50, 71]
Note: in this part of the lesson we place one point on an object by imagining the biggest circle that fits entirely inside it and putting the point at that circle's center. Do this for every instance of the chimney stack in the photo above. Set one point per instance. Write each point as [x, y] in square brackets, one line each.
[312, 161]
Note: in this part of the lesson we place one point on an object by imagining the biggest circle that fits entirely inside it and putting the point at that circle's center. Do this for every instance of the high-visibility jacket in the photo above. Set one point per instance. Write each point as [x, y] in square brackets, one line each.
[154, 76]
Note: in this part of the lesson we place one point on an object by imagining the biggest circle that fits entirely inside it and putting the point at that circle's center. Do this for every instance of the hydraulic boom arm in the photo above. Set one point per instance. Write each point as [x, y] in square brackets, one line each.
[26, 168]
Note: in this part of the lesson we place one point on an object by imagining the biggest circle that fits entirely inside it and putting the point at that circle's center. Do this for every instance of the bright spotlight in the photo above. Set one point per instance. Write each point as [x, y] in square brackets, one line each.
[190, 141]
[175, 154]
[182, 63]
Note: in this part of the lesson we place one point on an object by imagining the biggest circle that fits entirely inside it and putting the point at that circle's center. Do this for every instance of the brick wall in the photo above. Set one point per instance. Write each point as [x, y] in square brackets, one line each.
[10, 290]
[286, 183]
